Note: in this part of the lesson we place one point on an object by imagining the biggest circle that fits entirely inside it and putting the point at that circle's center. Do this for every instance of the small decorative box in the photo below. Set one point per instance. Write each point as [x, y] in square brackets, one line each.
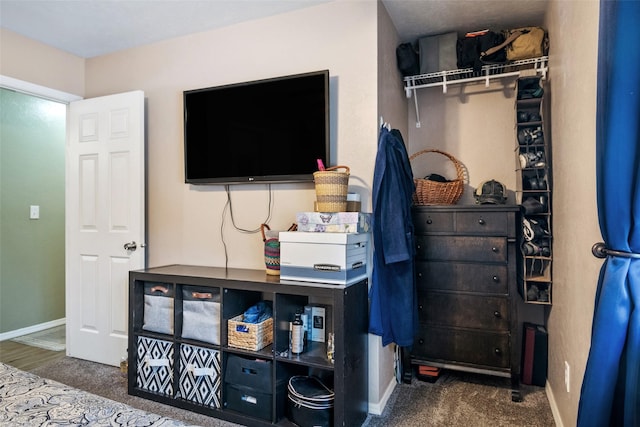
[334, 222]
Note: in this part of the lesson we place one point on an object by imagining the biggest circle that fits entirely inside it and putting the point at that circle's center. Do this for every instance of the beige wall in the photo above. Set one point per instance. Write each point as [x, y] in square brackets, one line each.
[575, 223]
[472, 123]
[34, 62]
[184, 221]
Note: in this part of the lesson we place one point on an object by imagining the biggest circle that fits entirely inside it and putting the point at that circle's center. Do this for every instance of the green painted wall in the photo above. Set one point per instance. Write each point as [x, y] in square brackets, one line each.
[32, 153]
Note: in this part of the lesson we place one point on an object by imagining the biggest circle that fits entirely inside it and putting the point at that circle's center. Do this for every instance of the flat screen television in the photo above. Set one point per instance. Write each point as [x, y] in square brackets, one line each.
[263, 131]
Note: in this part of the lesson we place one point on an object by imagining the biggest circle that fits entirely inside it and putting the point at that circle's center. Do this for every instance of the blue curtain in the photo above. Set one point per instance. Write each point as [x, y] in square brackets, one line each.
[610, 389]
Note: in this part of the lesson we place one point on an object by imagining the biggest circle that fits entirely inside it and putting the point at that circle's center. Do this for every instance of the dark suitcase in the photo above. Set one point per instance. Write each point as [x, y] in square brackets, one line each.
[438, 53]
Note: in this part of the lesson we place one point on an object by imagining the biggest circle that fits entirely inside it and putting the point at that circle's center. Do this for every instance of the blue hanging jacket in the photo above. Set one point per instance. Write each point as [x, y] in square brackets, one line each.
[393, 311]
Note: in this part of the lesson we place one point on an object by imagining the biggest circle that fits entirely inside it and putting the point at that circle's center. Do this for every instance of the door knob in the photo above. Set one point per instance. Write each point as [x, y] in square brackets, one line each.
[130, 246]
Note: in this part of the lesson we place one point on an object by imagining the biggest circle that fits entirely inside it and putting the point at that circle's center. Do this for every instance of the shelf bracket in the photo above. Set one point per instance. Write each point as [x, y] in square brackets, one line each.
[415, 100]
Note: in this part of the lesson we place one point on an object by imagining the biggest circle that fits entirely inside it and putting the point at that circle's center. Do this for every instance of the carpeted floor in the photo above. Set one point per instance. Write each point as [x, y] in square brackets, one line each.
[464, 399]
[456, 399]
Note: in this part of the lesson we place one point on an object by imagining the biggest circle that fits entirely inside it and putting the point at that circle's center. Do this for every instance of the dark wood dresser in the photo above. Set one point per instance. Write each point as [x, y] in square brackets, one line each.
[466, 278]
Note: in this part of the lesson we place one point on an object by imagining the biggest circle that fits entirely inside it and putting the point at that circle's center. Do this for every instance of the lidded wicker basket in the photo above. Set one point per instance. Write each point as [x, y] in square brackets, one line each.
[331, 189]
[429, 192]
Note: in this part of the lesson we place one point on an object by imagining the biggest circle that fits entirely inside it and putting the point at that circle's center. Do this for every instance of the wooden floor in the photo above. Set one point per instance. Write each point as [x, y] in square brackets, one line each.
[26, 357]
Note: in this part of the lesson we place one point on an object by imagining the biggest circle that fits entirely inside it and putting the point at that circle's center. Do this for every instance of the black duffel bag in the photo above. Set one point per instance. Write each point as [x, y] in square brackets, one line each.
[478, 50]
[407, 59]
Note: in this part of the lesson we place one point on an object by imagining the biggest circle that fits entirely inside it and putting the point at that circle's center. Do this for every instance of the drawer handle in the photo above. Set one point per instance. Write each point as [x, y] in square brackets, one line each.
[429, 221]
[481, 221]
[494, 249]
[420, 307]
[496, 279]
[497, 351]
[421, 341]
[497, 314]
[420, 275]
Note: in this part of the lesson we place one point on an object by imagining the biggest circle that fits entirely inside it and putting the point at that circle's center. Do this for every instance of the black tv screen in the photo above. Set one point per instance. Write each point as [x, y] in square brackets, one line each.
[261, 131]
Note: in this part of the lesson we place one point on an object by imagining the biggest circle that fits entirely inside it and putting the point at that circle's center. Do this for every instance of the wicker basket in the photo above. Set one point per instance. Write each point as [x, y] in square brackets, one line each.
[439, 193]
[331, 189]
[249, 336]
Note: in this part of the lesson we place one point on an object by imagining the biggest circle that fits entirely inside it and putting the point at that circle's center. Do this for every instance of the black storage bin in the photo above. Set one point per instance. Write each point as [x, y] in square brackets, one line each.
[251, 373]
[310, 402]
[252, 402]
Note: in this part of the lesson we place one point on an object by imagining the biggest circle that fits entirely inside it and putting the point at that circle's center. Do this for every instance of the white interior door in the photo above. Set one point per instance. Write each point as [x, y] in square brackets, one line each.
[105, 214]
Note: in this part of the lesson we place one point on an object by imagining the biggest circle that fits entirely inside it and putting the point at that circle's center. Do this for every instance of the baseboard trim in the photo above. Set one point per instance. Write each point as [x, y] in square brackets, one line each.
[31, 329]
[376, 408]
[554, 406]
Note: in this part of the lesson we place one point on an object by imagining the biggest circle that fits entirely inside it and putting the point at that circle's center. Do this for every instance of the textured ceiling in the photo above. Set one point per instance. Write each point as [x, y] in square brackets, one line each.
[415, 18]
[89, 28]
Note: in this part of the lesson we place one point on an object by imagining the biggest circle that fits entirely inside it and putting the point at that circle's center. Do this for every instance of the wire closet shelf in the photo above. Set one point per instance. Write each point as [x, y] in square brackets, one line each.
[525, 67]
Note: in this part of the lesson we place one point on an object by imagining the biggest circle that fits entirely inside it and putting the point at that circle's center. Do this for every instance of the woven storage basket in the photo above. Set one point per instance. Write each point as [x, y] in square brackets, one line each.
[249, 336]
[439, 193]
[271, 250]
[331, 189]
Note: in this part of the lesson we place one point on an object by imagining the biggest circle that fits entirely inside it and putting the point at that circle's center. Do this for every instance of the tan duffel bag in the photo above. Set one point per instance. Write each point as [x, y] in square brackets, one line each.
[529, 42]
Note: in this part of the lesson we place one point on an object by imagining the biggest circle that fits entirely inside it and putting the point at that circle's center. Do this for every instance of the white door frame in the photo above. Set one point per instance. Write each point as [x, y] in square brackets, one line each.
[32, 89]
[37, 90]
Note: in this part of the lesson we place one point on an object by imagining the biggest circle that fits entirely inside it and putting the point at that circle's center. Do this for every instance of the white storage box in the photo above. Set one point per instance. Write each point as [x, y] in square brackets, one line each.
[336, 258]
[334, 222]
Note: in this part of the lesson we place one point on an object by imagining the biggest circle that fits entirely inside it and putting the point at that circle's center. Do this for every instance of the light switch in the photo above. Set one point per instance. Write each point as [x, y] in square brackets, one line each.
[34, 212]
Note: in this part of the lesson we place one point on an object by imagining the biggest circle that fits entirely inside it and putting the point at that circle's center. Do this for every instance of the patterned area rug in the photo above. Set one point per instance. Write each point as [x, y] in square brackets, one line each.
[50, 339]
[29, 400]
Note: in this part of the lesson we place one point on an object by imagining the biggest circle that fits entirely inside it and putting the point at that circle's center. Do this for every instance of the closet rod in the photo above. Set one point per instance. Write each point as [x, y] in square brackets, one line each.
[600, 250]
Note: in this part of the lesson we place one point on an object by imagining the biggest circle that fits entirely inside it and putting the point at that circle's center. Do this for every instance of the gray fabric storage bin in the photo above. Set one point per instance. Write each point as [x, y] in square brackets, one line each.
[438, 53]
[201, 314]
[158, 308]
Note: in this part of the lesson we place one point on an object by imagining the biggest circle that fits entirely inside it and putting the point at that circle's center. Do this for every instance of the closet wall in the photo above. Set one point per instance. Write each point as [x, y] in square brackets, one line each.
[476, 125]
[393, 108]
[573, 84]
[472, 123]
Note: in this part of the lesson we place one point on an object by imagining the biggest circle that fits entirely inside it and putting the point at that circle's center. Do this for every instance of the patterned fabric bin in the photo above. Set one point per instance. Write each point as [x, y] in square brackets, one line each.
[154, 362]
[199, 375]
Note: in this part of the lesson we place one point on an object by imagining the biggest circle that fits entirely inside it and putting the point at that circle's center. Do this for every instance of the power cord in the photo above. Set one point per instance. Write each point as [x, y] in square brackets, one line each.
[228, 207]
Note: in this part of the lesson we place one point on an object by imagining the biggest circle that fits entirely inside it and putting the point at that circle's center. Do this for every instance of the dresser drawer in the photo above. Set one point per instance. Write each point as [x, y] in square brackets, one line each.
[465, 311]
[461, 248]
[457, 276]
[427, 222]
[483, 223]
[460, 346]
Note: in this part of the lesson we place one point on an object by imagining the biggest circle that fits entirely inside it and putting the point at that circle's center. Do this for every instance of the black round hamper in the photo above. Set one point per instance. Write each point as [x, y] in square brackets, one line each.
[310, 402]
